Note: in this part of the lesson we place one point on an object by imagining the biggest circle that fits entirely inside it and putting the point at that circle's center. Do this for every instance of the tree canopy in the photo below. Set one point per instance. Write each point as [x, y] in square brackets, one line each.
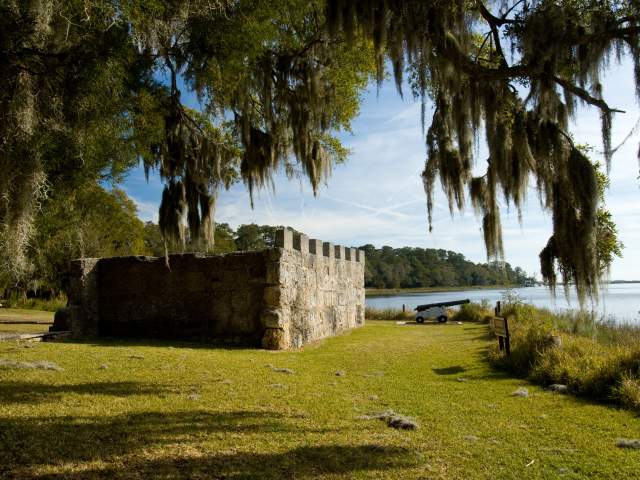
[91, 87]
[90, 221]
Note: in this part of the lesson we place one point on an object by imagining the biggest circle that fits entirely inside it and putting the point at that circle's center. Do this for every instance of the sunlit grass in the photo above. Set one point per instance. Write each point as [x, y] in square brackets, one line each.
[7, 314]
[23, 328]
[14, 320]
[154, 409]
[22, 302]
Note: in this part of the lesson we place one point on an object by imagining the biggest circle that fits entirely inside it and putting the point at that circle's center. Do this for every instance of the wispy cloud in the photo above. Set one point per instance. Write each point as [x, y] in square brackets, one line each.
[147, 211]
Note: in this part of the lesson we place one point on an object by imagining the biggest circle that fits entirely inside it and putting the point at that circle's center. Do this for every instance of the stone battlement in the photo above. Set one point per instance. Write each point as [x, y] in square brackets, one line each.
[288, 240]
[300, 291]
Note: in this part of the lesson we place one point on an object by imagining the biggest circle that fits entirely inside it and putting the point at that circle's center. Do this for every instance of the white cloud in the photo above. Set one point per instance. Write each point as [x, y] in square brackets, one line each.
[147, 211]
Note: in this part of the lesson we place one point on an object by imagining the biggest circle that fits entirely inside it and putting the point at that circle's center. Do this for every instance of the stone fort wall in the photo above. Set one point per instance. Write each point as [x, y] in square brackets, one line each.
[284, 297]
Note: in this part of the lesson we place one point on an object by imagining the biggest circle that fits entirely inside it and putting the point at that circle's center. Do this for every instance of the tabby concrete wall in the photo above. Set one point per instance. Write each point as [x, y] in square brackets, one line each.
[315, 290]
[300, 291]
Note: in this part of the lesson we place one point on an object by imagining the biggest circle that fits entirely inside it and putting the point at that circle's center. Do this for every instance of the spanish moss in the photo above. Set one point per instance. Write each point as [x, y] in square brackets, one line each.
[92, 89]
[475, 60]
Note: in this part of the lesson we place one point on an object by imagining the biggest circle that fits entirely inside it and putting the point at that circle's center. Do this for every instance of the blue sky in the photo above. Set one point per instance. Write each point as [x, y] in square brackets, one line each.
[377, 196]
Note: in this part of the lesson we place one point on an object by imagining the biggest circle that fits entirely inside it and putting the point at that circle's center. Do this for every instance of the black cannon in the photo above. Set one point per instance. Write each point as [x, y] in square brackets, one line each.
[436, 310]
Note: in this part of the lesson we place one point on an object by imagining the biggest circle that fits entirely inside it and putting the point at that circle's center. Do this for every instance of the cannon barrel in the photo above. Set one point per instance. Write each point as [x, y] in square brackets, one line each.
[420, 308]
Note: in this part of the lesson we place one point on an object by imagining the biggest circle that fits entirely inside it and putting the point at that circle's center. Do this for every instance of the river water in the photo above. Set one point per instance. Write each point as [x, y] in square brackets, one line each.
[620, 302]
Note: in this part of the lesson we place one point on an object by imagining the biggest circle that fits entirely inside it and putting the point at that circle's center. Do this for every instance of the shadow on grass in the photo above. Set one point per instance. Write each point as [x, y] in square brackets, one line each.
[487, 336]
[118, 441]
[31, 392]
[200, 343]
[302, 463]
[433, 323]
[449, 370]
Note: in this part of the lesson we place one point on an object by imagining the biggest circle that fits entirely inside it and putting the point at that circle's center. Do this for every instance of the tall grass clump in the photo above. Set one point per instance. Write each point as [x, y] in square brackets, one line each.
[628, 392]
[387, 314]
[474, 312]
[595, 359]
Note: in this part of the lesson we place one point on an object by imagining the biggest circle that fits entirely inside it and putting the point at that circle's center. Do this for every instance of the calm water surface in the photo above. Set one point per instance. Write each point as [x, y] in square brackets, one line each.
[620, 301]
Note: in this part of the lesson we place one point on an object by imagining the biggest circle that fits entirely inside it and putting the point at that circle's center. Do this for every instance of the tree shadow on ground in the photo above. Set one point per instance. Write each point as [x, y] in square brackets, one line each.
[199, 343]
[487, 336]
[31, 392]
[28, 442]
[301, 463]
[449, 370]
[431, 323]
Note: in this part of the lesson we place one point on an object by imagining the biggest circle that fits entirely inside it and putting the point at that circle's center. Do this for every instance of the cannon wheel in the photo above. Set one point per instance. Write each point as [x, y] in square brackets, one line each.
[420, 319]
[442, 318]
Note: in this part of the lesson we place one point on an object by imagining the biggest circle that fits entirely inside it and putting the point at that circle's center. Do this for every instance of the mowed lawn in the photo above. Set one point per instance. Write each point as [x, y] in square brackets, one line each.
[24, 328]
[161, 410]
[14, 320]
[23, 315]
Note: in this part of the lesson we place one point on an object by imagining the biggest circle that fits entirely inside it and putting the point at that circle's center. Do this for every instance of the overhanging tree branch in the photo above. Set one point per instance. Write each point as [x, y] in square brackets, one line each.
[585, 96]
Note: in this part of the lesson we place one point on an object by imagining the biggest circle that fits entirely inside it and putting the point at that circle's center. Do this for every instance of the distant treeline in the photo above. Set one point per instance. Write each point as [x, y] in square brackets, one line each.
[409, 267]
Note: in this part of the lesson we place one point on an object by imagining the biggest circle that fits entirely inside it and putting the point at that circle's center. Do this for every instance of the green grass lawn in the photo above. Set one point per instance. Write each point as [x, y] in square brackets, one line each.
[188, 411]
[24, 327]
[18, 314]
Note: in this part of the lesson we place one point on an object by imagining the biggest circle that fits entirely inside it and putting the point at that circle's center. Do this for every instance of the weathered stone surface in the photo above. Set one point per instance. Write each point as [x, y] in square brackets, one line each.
[322, 299]
[301, 243]
[315, 247]
[83, 286]
[272, 296]
[278, 298]
[274, 339]
[61, 320]
[284, 239]
[273, 319]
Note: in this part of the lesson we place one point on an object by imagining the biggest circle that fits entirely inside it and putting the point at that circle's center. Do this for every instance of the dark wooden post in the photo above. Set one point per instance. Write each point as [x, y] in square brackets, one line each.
[501, 328]
[496, 311]
[507, 343]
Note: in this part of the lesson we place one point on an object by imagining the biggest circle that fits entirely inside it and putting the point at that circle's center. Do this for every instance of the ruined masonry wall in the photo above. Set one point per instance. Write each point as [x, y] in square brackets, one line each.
[317, 292]
[301, 291]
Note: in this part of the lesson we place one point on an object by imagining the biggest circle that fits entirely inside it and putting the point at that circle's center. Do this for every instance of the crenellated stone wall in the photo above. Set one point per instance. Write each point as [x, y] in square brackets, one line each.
[284, 297]
[315, 291]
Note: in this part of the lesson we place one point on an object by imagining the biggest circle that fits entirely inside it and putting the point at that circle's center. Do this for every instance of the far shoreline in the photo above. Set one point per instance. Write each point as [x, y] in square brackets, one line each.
[393, 292]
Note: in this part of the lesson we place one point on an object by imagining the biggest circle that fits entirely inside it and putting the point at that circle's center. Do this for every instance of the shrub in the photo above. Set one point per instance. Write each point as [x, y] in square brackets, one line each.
[50, 305]
[529, 341]
[628, 392]
[473, 312]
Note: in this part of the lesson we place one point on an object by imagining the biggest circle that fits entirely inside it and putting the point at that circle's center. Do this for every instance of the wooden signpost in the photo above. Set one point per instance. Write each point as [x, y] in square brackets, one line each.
[500, 327]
